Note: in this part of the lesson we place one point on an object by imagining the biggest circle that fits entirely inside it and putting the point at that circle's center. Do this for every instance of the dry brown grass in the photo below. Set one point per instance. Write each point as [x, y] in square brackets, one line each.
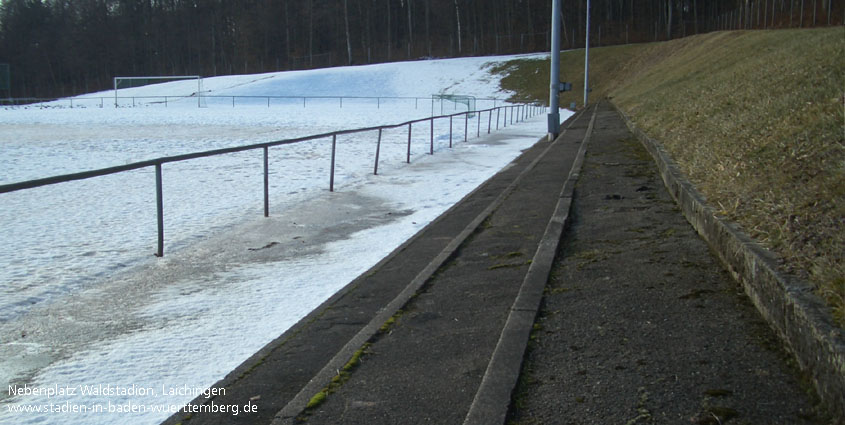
[755, 119]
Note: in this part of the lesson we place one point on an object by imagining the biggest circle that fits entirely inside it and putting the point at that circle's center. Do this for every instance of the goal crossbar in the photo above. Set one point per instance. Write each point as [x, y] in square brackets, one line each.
[159, 77]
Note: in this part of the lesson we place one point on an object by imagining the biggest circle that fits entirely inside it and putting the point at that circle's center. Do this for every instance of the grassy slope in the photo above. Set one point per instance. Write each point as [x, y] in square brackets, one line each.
[755, 119]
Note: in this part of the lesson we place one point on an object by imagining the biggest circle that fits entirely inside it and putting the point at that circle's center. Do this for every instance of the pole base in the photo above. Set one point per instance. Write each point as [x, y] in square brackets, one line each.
[554, 125]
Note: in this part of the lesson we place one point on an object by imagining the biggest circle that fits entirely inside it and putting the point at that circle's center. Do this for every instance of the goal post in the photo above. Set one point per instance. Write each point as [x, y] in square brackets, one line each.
[130, 82]
[457, 99]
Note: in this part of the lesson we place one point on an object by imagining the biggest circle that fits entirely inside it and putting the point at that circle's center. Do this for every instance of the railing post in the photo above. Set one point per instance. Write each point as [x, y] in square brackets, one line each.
[331, 176]
[431, 147]
[378, 148]
[466, 126]
[489, 121]
[498, 113]
[266, 182]
[159, 212]
[408, 160]
[450, 131]
[478, 129]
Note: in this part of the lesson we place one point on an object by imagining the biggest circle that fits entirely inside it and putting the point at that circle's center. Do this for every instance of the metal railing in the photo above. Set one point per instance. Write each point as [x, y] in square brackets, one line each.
[517, 112]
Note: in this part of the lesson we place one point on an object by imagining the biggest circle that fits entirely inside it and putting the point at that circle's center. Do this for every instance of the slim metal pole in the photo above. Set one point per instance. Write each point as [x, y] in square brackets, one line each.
[587, 58]
[431, 146]
[489, 121]
[378, 148]
[554, 79]
[478, 130]
[450, 131]
[159, 212]
[331, 177]
[266, 181]
[408, 160]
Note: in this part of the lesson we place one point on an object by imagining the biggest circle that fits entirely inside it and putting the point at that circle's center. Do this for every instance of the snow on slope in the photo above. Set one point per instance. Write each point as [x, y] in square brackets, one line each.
[83, 302]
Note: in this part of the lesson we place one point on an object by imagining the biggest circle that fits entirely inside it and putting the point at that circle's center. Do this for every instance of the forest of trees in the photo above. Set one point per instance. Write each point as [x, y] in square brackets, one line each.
[63, 47]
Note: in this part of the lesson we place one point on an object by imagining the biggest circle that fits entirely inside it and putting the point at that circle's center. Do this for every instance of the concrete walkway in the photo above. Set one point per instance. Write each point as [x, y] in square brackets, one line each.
[638, 323]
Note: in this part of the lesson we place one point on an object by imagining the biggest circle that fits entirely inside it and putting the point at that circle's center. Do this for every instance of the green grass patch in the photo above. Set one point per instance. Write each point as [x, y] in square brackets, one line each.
[509, 265]
[755, 119]
[338, 380]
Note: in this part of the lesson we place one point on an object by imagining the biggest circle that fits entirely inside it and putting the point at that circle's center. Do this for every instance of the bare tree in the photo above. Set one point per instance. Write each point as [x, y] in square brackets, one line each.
[458, 20]
[348, 39]
[410, 31]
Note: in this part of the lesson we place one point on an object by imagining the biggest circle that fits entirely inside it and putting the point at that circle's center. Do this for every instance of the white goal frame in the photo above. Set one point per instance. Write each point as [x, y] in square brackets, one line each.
[462, 99]
[199, 92]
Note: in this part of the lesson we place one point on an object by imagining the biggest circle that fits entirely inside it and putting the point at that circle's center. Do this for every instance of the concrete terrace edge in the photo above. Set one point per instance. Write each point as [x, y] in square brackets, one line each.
[492, 401]
[799, 317]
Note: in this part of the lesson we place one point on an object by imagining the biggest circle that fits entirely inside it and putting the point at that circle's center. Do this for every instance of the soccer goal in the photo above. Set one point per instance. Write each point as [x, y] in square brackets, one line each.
[456, 99]
[129, 82]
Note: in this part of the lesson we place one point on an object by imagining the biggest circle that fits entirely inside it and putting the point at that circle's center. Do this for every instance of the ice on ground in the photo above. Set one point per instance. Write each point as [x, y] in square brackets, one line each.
[84, 302]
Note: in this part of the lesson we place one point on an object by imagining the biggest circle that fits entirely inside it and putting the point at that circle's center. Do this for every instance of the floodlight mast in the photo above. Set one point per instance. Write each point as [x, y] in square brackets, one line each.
[554, 78]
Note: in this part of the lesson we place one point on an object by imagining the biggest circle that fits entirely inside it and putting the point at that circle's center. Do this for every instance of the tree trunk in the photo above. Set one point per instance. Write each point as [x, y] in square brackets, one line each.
[695, 14]
[428, 27]
[287, 35]
[389, 34]
[310, 33]
[458, 20]
[348, 39]
[410, 31]
[668, 19]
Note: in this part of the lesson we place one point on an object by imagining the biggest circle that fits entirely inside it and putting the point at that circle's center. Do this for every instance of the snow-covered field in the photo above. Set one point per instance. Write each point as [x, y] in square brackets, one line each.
[84, 303]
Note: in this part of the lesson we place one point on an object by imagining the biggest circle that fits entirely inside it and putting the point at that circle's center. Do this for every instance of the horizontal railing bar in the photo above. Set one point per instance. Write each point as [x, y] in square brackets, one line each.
[52, 99]
[30, 184]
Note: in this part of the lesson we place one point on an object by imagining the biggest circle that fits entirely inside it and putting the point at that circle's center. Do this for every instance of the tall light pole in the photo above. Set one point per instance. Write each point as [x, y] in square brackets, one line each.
[587, 57]
[554, 77]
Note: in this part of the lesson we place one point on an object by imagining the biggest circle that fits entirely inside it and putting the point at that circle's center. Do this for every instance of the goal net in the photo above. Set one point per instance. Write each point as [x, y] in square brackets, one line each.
[455, 100]
[130, 82]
